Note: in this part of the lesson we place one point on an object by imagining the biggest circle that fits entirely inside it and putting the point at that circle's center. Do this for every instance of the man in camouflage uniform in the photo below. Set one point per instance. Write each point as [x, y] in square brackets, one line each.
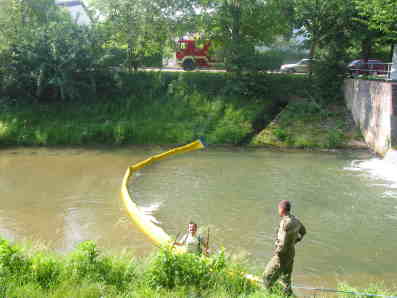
[290, 231]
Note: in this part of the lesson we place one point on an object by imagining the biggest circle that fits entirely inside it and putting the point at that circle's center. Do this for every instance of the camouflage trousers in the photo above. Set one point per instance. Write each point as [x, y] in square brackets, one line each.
[279, 269]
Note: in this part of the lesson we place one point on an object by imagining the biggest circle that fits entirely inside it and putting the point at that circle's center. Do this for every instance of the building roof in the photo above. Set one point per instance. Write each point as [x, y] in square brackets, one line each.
[77, 9]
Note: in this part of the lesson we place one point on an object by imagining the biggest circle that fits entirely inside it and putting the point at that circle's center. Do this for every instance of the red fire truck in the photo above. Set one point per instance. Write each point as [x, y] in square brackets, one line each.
[190, 57]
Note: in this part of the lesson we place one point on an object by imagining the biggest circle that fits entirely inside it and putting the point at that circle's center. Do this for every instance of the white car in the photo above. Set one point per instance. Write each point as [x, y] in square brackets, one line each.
[301, 66]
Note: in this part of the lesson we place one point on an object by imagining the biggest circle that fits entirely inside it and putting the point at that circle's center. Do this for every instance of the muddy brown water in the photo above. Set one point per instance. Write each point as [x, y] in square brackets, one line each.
[64, 196]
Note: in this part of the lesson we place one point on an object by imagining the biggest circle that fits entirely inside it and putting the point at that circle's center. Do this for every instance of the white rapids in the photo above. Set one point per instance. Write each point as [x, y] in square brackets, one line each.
[379, 169]
[149, 211]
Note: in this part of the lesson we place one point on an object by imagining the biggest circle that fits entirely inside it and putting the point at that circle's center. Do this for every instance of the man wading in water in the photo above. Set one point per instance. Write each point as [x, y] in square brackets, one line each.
[290, 231]
[194, 243]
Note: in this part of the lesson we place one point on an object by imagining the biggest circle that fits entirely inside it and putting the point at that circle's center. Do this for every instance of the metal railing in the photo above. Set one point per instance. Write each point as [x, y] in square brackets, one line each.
[380, 70]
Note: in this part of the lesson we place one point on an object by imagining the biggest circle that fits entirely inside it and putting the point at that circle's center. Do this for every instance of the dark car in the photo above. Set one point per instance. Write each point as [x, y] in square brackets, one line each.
[373, 66]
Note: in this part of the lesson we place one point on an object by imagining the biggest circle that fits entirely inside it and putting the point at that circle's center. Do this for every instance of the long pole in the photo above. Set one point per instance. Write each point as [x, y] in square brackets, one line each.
[342, 292]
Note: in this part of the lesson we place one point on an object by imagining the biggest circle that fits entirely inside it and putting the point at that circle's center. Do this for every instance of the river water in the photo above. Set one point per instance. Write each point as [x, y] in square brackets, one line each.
[347, 200]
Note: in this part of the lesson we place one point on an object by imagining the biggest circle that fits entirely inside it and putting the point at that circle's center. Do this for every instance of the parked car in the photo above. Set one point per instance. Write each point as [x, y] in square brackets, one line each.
[373, 66]
[302, 66]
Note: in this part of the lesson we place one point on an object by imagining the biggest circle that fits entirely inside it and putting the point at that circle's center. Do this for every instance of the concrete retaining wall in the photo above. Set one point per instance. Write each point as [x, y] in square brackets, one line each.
[374, 108]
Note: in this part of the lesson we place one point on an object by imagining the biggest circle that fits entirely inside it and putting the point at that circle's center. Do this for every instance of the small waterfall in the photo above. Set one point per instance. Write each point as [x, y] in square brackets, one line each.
[391, 157]
[378, 168]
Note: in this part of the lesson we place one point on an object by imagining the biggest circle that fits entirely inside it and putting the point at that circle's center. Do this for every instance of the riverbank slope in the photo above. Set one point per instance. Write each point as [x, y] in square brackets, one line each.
[174, 108]
[87, 272]
[306, 124]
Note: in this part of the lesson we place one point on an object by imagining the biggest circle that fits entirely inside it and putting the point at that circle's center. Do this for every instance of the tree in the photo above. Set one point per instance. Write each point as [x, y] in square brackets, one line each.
[240, 25]
[382, 15]
[144, 28]
[45, 53]
[319, 20]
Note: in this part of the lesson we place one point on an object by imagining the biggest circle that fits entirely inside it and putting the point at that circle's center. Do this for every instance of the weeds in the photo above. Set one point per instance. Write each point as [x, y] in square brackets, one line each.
[148, 108]
[87, 272]
[310, 125]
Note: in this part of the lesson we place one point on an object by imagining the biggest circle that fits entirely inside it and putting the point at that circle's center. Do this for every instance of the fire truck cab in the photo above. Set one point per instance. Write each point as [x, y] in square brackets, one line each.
[190, 57]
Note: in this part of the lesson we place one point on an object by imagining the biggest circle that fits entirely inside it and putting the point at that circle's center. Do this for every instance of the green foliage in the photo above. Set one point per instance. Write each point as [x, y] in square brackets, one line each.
[270, 60]
[380, 15]
[280, 134]
[155, 108]
[329, 73]
[308, 124]
[238, 26]
[45, 270]
[88, 273]
[12, 260]
[37, 274]
[319, 20]
[52, 58]
[336, 137]
[169, 270]
[86, 263]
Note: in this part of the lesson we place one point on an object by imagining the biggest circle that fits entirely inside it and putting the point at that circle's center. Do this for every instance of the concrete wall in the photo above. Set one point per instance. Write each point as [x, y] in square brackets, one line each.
[374, 108]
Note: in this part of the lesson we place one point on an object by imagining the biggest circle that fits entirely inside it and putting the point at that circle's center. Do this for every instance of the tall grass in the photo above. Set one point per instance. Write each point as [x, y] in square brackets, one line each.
[133, 120]
[148, 108]
[88, 272]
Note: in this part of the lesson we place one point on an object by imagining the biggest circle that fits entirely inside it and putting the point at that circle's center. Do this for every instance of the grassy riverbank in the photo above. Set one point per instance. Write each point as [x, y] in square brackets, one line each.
[306, 124]
[86, 272]
[154, 108]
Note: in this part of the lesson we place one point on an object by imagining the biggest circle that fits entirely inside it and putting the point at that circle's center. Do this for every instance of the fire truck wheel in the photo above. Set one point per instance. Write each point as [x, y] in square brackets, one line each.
[188, 65]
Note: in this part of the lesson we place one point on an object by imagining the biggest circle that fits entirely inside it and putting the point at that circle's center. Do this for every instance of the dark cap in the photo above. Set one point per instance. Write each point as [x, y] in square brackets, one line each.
[286, 205]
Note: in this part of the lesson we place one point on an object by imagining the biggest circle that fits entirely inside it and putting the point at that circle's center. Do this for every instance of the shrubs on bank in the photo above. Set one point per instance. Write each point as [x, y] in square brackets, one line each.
[153, 108]
[309, 125]
[86, 272]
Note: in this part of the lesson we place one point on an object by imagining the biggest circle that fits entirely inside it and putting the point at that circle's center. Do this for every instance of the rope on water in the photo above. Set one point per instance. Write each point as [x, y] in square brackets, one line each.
[342, 292]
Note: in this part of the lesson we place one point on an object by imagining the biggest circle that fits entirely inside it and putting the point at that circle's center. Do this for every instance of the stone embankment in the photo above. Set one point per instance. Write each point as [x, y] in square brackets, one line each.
[373, 105]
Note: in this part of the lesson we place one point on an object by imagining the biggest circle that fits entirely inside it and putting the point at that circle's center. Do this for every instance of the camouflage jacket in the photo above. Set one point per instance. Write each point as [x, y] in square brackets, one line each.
[290, 231]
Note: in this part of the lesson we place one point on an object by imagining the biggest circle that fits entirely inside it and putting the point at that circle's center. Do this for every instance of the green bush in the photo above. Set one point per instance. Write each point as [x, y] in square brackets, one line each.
[270, 60]
[155, 108]
[86, 263]
[335, 138]
[88, 273]
[169, 270]
[12, 261]
[52, 58]
[329, 73]
[45, 270]
[281, 134]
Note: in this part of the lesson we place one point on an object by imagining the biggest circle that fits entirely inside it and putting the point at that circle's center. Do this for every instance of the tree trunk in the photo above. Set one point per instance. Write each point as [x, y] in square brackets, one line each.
[391, 52]
[235, 10]
[313, 48]
[393, 74]
[366, 47]
[40, 81]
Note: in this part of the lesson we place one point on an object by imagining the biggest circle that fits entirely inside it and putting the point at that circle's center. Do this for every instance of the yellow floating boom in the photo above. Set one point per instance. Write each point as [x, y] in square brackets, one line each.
[154, 232]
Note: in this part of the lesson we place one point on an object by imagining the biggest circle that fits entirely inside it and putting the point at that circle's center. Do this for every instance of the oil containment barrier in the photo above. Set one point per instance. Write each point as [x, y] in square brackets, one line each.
[160, 237]
[144, 223]
[150, 229]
